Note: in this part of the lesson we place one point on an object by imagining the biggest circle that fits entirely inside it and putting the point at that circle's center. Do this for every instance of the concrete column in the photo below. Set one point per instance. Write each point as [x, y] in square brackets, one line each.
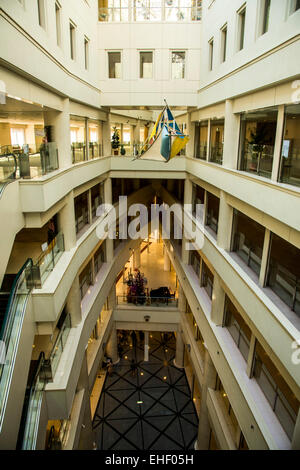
[136, 132]
[87, 436]
[108, 200]
[112, 299]
[60, 122]
[167, 262]
[265, 257]
[30, 135]
[146, 346]
[210, 375]
[87, 139]
[188, 198]
[137, 257]
[218, 302]
[90, 215]
[278, 143]
[179, 356]
[296, 435]
[106, 137]
[66, 221]
[225, 223]
[112, 346]
[208, 139]
[181, 299]
[190, 128]
[74, 302]
[231, 136]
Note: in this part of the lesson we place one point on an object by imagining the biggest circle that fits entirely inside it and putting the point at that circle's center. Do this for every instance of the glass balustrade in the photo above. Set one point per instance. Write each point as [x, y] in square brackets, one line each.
[11, 328]
[147, 301]
[28, 161]
[48, 259]
[60, 344]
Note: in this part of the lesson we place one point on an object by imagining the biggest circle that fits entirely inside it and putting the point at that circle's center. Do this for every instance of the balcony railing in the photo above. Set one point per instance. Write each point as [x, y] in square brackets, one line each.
[152, 14]
[147, 301]
[47, 260]
[59, 345]
[79, 153]
[27, 161]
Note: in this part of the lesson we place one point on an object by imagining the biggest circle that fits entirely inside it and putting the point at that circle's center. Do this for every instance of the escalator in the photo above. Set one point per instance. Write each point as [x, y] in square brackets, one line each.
[6, 287]
[35, 370]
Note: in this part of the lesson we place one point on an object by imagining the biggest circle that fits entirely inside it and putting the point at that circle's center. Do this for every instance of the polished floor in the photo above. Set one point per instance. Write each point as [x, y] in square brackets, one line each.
[150, 409]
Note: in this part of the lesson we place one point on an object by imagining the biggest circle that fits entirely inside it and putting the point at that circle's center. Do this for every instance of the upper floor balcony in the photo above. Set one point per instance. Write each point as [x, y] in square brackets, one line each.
[150, 10]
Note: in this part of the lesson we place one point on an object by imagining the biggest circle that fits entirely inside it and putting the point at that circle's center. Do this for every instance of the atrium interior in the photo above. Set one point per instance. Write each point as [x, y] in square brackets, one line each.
[115, 333]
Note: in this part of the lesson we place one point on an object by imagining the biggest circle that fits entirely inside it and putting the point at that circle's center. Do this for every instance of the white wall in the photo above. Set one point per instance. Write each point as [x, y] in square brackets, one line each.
[161, 38]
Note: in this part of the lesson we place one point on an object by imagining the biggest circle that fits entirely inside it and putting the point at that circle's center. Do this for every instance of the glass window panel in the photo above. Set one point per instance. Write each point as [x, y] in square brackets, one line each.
[290, 153]
[212, 212]
[216, 141]
[201, 135]
[248, 240]
[146, 64]
[257, 140]
[114, 65]
[278, 393]
[178, 65]
[284, 272]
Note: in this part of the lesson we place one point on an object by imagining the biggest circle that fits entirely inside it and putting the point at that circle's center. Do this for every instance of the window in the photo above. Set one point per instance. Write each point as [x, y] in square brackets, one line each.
[86, 53]
[147, 10]
[290, 152]
[241, 28]
[58, 23]
[223, 43]
[178, 64]
[207, 279]
[17, 137]
[283, 275]
[201, 134]
[210, 54]
[216, 141]
[266, 4]
[198, 197]
[96, 198]
[114, 65]
[237, 327]
[85, 280]
[41, 13]
[257, 141]
[278, 393]
[72, 41]
[294, 6]
[99, 257]
[81, 211]
[212, 211]
[146, 64]
[248, 240]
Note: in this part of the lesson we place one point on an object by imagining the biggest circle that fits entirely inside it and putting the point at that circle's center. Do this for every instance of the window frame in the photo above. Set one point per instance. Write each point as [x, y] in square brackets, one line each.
[224, 43]
[72, 39]
[174, 51]
[112, 51]
[143, 51]
[241, 28]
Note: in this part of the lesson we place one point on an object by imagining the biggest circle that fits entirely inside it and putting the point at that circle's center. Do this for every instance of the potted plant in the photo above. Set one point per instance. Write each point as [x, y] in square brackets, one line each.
[123, 151]
[256, 143]
[115, 141]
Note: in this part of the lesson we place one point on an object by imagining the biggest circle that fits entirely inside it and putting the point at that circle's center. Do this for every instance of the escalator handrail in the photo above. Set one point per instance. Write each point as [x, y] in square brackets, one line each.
[10, 154]
[12, 296]
[28, 396]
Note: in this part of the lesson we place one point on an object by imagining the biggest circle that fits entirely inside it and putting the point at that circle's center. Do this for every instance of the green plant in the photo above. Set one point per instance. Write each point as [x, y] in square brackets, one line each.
[123, 151]
[115, 140]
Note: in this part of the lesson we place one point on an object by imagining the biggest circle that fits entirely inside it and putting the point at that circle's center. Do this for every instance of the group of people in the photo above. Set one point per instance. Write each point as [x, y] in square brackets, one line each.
[125, 340]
